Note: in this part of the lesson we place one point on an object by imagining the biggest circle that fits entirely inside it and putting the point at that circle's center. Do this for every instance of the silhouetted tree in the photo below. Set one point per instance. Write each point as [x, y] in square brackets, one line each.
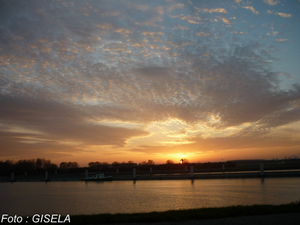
[73, 165]
[6, 166]
[182, 161]
[63, 165]
[47, 164]
[25, 165]
[144, 163]
[170, 161]
[52, 166]
[150, 162]
[69, 165]
[41, 163]
[95, 165]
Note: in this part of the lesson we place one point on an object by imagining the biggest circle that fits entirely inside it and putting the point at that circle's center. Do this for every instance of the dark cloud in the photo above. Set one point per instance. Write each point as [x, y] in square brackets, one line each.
[153, 72]
[48, 123]
[21, 145]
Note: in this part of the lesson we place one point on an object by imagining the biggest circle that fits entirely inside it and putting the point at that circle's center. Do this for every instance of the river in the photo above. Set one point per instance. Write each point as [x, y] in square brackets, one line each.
[28, 198]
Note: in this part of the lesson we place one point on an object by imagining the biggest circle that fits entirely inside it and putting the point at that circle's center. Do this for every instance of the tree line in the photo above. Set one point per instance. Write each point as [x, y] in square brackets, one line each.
[40, 165]
[150, 162]
[46, 164]
[28, 165]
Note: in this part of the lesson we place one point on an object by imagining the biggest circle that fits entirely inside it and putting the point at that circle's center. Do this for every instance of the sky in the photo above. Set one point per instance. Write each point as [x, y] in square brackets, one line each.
[128, 80]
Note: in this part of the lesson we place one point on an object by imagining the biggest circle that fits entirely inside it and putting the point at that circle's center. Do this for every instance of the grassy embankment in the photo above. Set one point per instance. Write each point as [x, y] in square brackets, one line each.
[189, 214]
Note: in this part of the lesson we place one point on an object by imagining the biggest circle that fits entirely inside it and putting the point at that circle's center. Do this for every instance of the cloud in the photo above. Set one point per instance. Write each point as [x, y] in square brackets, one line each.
[226, 21]
[219, 10]
[142, 7]
[52, 124]
[238, 145]
[192, 21]
[170, 8]
[283, 117]
[123, 31]
[242, 145]
[285, 15]
[251, 8]
[271, 2]
[153, 71]
[181, 27]
[152, 33]
[281, 39]
[203, 34]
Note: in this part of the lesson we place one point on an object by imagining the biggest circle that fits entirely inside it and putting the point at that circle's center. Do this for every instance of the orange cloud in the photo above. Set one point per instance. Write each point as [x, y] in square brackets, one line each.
[181, 27]
[281, 39]
[251, 8]
[203, 34]
[123, 31]
[284, 14]
[226, 21]
[219, 10]
[271, 2]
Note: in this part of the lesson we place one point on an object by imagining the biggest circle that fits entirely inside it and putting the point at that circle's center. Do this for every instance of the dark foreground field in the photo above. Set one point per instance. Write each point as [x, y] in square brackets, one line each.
[190, 215]
[233, 215]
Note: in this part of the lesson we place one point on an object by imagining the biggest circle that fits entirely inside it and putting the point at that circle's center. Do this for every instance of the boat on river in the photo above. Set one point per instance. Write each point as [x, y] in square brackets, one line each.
[98, 177]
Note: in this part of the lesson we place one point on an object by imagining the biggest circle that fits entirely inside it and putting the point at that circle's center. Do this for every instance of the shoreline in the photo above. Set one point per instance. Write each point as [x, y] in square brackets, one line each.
[199, 176]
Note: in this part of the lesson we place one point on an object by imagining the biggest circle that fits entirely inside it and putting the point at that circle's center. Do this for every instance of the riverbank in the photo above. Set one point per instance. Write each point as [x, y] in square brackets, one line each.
[187, 215]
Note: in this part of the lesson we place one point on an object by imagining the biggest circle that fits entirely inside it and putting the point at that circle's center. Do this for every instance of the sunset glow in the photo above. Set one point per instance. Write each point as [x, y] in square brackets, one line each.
[109, 81]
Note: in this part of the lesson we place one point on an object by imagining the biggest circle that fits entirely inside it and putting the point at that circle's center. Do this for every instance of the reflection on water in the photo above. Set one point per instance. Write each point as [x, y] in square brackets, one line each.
[142, 196]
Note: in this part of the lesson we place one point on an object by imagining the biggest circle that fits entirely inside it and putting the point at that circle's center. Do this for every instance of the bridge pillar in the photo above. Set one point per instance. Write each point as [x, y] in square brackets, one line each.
[262, 169]
[46, 175]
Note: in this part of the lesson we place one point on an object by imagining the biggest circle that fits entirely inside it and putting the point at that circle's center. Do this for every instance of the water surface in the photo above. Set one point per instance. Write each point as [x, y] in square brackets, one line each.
[28, 198]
